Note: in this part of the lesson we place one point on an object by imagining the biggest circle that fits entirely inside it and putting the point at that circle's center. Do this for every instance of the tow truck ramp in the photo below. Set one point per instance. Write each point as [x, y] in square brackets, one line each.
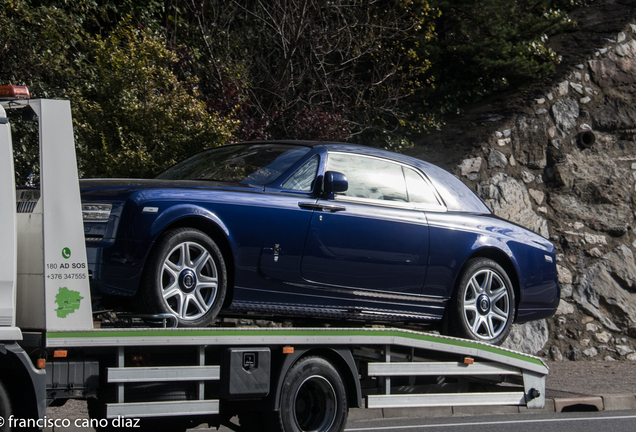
[385, 358]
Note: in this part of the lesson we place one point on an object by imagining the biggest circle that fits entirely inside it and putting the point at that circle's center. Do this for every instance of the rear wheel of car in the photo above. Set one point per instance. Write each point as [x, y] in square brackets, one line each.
[483, 305]
[186, 276]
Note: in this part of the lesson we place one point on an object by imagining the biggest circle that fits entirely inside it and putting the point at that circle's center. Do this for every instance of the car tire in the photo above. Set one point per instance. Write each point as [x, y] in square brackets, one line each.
[313, 398]
[185, 275]
[483, 304]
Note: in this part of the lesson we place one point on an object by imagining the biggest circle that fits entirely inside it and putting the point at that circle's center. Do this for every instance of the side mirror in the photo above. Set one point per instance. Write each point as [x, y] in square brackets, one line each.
[335, 182]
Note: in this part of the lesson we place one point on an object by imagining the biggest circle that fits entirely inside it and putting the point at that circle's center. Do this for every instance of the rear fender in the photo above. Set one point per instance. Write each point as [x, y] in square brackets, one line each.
[453, 248]
[494, 246]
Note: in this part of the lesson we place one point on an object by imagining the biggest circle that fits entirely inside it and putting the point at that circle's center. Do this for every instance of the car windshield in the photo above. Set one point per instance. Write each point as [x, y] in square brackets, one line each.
[255, 164]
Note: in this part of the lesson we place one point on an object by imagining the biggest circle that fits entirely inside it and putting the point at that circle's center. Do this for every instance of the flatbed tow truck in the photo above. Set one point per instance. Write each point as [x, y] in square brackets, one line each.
[287, 378]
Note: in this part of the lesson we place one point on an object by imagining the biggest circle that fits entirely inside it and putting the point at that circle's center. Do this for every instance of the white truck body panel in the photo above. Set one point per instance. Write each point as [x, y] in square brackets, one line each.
[53, 286]
[8, 236]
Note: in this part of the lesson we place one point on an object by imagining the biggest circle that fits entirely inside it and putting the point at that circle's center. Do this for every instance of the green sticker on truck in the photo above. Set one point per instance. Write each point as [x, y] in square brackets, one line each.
[68, 301]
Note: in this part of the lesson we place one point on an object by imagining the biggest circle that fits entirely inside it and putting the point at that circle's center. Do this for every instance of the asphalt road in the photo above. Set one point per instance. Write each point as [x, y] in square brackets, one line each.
[614, 421]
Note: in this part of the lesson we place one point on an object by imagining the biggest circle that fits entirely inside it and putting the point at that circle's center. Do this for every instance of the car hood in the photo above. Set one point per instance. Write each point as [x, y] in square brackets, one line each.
[121, 188]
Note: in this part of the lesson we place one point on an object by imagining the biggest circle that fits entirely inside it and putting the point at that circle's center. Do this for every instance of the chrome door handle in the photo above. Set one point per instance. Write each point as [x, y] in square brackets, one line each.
[310, 206]
[323, 207]
[333, 208]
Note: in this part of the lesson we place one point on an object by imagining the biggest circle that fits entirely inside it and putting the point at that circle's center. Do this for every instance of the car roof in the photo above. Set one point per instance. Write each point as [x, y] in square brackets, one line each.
[456, 195]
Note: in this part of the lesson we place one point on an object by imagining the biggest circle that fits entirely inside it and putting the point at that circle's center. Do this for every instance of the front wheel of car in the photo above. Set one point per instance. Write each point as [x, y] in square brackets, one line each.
[483, 306]
[185, 275]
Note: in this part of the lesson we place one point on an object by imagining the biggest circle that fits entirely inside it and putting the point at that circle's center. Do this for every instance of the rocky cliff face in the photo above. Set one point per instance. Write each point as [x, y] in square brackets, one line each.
[563, 164]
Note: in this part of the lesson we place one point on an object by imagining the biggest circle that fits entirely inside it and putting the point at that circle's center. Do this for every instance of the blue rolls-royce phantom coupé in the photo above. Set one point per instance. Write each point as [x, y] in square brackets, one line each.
[315, 229]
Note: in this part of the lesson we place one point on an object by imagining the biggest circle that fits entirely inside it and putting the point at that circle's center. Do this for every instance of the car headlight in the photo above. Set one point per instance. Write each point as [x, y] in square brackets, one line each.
[96, 212]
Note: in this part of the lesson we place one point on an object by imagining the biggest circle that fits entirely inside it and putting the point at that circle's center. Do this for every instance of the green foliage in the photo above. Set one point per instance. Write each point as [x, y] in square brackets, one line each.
[133, 116]
[488, 45]
[40, 45]
[345, 59]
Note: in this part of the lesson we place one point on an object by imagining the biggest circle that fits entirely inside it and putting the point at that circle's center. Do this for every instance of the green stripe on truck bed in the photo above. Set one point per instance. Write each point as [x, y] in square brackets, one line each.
[345, 334]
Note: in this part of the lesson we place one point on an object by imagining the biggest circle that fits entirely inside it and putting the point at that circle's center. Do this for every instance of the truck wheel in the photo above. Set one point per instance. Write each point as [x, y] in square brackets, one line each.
[185, 275]
[483, 306]
[5, 408]
[313, 398]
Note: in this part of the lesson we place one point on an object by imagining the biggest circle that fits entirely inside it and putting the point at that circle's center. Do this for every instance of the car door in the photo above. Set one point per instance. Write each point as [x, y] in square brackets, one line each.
[370, 237]
[282, 227]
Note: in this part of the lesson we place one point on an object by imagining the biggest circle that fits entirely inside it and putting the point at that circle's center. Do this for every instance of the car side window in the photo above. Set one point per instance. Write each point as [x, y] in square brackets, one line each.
[419, 190]
[303, 178]
[370, 178]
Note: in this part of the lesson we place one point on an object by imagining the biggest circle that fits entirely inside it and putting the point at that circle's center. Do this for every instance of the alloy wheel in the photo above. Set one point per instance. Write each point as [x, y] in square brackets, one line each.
[486, 304]
[189, 280]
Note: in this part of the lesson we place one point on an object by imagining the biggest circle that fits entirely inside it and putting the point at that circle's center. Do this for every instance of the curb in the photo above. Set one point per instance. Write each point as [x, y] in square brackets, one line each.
[610, 402]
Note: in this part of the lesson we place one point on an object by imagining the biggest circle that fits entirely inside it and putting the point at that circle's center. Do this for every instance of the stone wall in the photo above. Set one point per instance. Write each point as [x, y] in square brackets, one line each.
[565, 167]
